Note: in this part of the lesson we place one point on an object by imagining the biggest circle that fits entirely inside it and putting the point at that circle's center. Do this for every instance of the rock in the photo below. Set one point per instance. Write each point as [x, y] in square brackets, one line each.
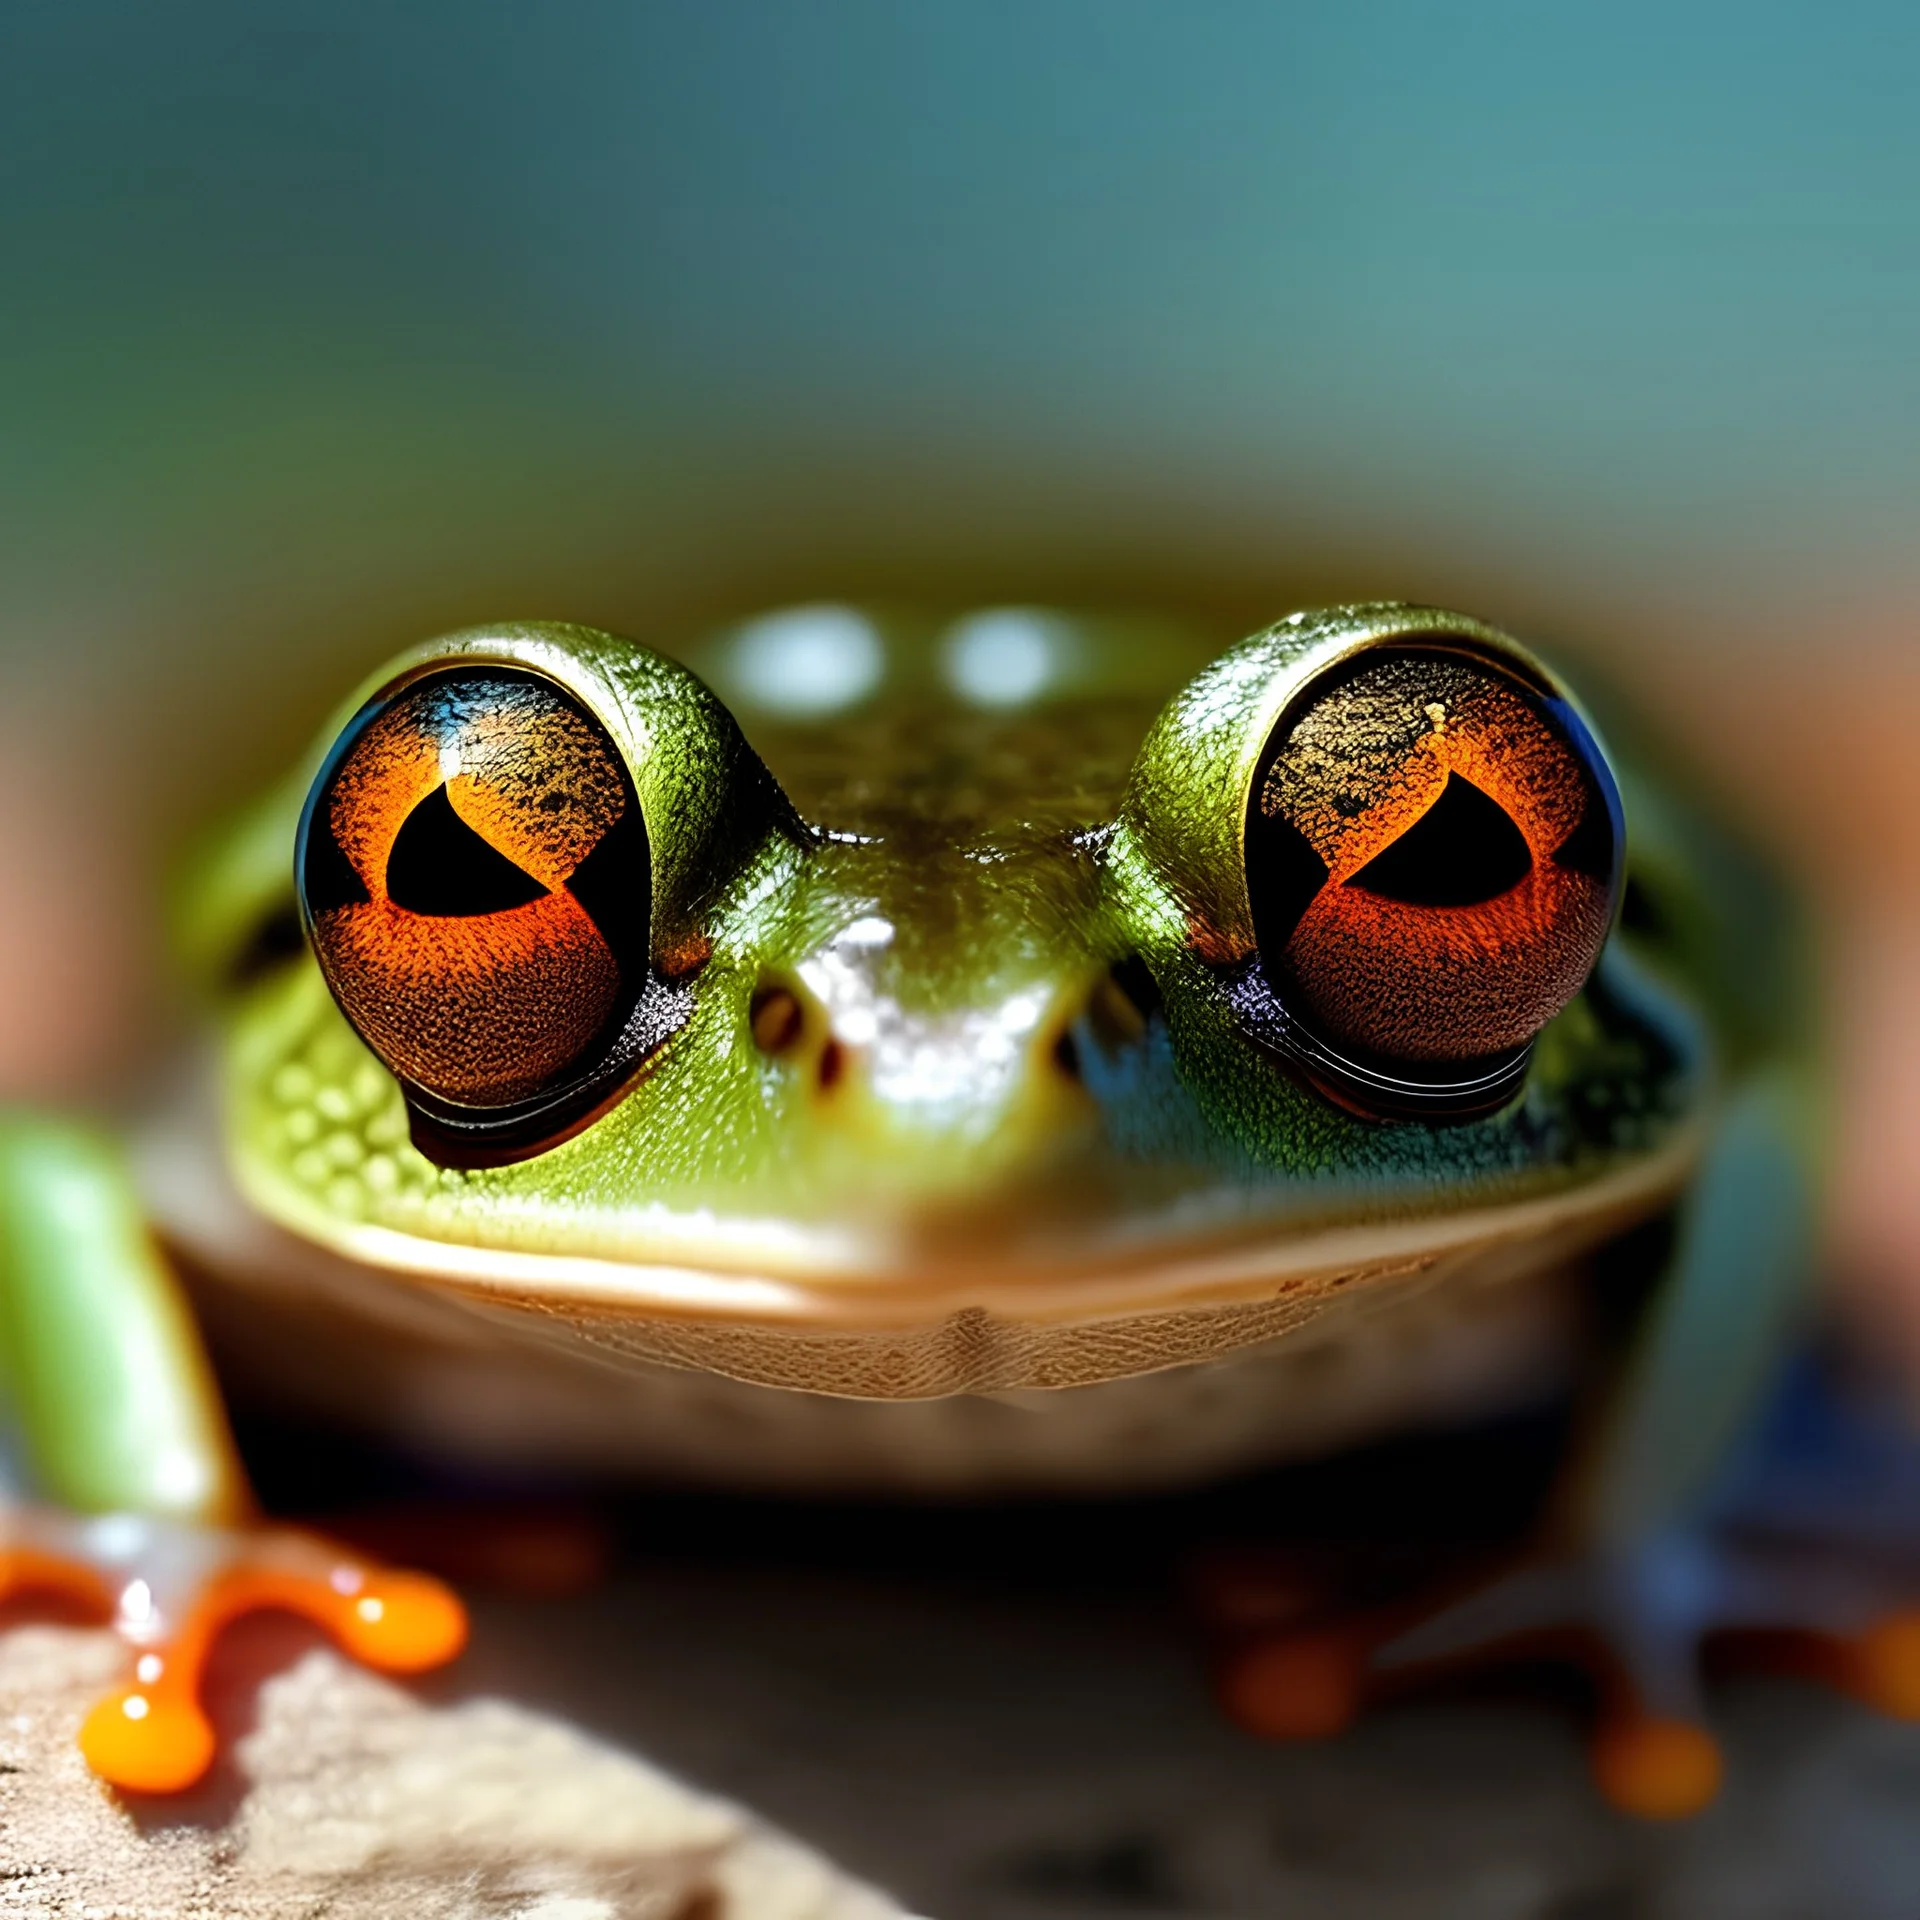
[346, 1795]
[995, 1746]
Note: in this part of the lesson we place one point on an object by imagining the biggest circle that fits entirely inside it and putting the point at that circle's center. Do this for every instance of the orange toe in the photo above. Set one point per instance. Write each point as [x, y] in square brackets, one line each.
[148, 1741]
[398, 1622]
[1886, 1665]
[403, 1623]
[1302, 1686]
[1657, 1769]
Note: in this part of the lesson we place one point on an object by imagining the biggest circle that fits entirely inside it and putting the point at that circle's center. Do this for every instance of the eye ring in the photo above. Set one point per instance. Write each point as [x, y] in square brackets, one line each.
[474, 877]
[1423, 901]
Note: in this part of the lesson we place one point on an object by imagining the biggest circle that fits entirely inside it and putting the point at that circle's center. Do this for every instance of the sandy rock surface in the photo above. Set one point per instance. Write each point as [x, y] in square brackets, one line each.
[992, 1751]
[985, 1746]
[349, 1797]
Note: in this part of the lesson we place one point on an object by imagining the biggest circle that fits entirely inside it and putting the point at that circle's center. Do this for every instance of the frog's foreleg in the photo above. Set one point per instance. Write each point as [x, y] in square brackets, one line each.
[111, 1403]
[113, 1422]
[1711, 1341]
[1631, 1565]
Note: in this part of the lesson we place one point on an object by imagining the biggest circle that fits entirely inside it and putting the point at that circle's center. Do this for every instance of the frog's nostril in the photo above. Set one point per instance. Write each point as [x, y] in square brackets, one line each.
[1066, 1054]
[775, 1019]
[833, 1065]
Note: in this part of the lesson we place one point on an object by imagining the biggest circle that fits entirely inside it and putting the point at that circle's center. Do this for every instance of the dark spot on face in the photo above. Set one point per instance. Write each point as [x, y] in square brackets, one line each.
[686, 956]
[833, 1064]
[1120, 1006]
[1114, 1019]
[776, 1019]
[1640, 913]
[1136, 983]
[277, 939]
[1066, 1054]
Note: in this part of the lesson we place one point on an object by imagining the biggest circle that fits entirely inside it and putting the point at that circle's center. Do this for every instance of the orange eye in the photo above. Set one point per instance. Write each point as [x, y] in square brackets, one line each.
[474, 875]
[1433, 859]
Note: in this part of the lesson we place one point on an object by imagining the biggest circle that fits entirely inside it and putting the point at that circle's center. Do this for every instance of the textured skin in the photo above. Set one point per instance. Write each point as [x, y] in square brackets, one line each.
[970, 1148]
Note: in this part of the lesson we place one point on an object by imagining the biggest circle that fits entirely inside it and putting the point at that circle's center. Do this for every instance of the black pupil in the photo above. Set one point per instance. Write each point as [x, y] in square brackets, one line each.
[440, 866]
[1463, 850]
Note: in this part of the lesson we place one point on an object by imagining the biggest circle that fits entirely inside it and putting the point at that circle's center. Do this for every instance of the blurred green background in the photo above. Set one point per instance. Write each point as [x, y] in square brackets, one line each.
[323, 327]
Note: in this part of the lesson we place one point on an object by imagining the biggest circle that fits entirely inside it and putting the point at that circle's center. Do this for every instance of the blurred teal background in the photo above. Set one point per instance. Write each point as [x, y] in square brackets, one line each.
[322, 322]
[322, 327]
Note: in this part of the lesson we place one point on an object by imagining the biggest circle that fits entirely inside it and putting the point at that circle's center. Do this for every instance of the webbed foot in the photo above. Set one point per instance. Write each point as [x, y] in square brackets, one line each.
[169, 1587]
[1810, 1564]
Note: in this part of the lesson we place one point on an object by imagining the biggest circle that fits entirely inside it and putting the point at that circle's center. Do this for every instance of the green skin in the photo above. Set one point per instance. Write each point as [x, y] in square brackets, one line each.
[1016, 856]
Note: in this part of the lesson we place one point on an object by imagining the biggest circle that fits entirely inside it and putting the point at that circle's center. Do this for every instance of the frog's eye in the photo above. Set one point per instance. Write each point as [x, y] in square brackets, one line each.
[1433, 851]
[474, 876]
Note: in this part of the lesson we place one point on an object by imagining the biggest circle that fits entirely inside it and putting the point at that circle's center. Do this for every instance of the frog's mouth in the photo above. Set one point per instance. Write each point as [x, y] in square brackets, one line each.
[815, 1309]
[822, 1279]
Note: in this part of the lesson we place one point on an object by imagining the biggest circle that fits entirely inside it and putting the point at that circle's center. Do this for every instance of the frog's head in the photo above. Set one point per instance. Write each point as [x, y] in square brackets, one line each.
[967, 987]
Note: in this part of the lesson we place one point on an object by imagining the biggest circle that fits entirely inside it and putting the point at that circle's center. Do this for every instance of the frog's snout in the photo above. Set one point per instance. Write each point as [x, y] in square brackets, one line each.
[944, 1086]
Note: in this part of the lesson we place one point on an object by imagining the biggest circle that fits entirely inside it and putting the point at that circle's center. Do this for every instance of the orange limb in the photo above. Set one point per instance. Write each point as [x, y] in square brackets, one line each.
[1306, 1685]
[152, 1735]
[1878, 1666]
[1655, 1765]
[1883, 1664]
[25, 1570]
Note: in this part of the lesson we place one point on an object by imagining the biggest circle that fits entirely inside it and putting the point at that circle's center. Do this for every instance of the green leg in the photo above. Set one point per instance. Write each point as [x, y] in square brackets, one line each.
[1633, 1565]
[1714, 1334]
[105, 1384]
[141, 1505]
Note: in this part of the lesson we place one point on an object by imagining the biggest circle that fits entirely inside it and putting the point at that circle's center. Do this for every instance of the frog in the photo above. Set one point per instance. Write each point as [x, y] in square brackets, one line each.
[987, 1054]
